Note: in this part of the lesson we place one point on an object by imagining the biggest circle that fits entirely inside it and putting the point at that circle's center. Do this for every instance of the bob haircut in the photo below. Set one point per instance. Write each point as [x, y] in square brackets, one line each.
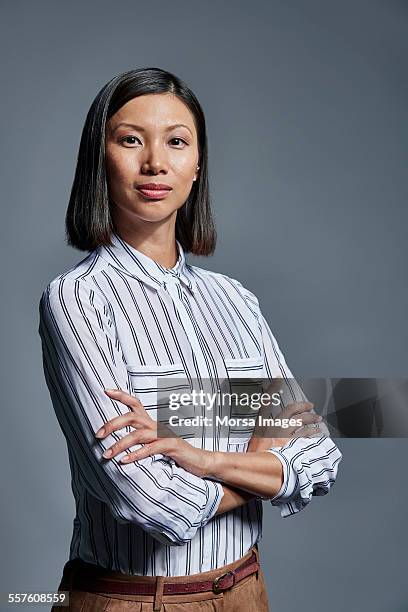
[88, 222]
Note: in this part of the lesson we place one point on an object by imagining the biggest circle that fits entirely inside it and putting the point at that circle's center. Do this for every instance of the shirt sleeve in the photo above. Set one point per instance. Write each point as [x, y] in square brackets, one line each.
[310, 465]
[82, 357]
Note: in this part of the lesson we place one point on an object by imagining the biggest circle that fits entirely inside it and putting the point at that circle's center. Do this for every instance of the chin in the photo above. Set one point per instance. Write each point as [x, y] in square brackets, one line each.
[153, 211]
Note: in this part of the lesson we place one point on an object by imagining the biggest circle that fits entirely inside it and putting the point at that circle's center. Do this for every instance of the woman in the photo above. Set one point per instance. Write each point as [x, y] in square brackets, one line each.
[179, 521]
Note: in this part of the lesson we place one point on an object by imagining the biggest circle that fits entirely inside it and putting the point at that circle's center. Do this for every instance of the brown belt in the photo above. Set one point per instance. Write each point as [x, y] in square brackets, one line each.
[86, 579]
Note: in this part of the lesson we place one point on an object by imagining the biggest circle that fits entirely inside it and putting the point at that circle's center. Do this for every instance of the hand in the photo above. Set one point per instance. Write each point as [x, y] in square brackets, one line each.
[194, 460]
[264, 437]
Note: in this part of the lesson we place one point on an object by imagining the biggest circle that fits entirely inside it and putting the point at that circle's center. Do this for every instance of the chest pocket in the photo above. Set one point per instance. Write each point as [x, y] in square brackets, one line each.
[154, 384]
[244, 382]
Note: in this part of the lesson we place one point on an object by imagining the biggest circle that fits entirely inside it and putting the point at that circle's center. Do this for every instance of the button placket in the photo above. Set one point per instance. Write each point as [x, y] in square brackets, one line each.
[173, 286]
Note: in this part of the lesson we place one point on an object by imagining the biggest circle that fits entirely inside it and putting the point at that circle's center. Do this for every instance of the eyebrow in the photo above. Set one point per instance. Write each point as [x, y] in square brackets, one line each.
[141, 129]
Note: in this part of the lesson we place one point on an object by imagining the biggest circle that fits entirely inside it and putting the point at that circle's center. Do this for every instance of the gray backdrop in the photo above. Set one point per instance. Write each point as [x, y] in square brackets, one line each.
[306, 104]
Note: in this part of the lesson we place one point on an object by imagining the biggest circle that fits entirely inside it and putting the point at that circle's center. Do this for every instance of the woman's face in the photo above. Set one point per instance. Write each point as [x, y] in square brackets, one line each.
[151, 139]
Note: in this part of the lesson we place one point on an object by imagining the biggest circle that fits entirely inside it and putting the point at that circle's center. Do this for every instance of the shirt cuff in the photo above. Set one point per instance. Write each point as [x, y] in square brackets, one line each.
[310, 468]
[215, 493]
[284, 463]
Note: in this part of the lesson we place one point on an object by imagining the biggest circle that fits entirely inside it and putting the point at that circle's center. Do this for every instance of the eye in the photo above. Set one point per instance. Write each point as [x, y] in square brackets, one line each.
[127, 138]
[130, 140]
[179, 139]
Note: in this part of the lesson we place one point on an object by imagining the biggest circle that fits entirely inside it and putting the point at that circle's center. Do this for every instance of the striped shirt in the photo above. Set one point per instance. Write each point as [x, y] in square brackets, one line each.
[118, 319]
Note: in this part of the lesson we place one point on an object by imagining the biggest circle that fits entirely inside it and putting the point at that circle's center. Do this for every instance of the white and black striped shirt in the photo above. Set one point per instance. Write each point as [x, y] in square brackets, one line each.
[118, 319]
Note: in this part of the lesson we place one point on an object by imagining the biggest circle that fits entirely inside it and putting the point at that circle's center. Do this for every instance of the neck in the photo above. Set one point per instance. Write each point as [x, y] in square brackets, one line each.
[160, 245]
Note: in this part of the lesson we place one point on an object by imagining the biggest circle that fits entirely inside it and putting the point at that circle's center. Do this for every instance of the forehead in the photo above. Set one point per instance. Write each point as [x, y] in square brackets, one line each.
[154, 111]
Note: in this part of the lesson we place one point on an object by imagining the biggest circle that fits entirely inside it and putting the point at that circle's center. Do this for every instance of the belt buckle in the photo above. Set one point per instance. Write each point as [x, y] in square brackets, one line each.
[216, 588]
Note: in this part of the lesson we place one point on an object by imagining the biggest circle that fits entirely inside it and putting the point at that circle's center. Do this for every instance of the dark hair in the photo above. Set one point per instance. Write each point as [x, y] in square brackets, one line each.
[88, 222]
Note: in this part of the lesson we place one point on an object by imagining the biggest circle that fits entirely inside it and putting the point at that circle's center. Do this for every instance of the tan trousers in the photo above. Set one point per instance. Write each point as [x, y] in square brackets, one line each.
[248, 594]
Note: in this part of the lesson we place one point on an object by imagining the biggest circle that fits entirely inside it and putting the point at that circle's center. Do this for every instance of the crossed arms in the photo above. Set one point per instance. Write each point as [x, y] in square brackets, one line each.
[82, 357]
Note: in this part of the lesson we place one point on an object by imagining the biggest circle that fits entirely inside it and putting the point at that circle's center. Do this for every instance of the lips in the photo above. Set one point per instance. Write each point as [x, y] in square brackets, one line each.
[154, 191]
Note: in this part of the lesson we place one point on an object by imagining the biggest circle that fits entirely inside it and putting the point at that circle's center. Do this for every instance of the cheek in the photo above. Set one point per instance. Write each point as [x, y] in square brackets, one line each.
[184, 167]
[120, 167]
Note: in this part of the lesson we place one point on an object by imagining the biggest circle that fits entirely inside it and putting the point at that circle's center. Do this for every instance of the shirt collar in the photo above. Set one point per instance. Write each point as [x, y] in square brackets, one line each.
[125, 257]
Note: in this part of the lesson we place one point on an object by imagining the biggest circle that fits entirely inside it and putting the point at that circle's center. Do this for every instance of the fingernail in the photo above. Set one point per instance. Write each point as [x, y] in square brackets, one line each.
[125, 459]
[100, 433]
[107, 453]
[320, 418]
[110, 390]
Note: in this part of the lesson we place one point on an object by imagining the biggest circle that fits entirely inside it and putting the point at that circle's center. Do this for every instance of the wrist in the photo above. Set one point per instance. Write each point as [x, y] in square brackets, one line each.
[177, 449]
[211, 463]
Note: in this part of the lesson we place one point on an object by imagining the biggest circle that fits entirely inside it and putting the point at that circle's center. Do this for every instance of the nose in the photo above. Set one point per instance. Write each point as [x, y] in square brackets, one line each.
[155, 160]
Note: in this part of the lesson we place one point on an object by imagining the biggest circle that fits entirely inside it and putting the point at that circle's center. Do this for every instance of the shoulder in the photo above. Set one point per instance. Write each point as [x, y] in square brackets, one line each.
[80, 274]
[75, 285]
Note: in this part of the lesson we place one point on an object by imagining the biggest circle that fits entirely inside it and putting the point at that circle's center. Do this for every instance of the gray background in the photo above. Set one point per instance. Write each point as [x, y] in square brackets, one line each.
[306, 104]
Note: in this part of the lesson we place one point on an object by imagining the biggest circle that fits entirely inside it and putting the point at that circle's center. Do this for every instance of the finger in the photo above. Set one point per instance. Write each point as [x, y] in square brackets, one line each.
[159, 446]
[130, 400]
[309, 417]
[138, 421]
[296, 408]
[305, 418]
[307, 432]
[137, 437]
[281, 441]
[116, 423]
